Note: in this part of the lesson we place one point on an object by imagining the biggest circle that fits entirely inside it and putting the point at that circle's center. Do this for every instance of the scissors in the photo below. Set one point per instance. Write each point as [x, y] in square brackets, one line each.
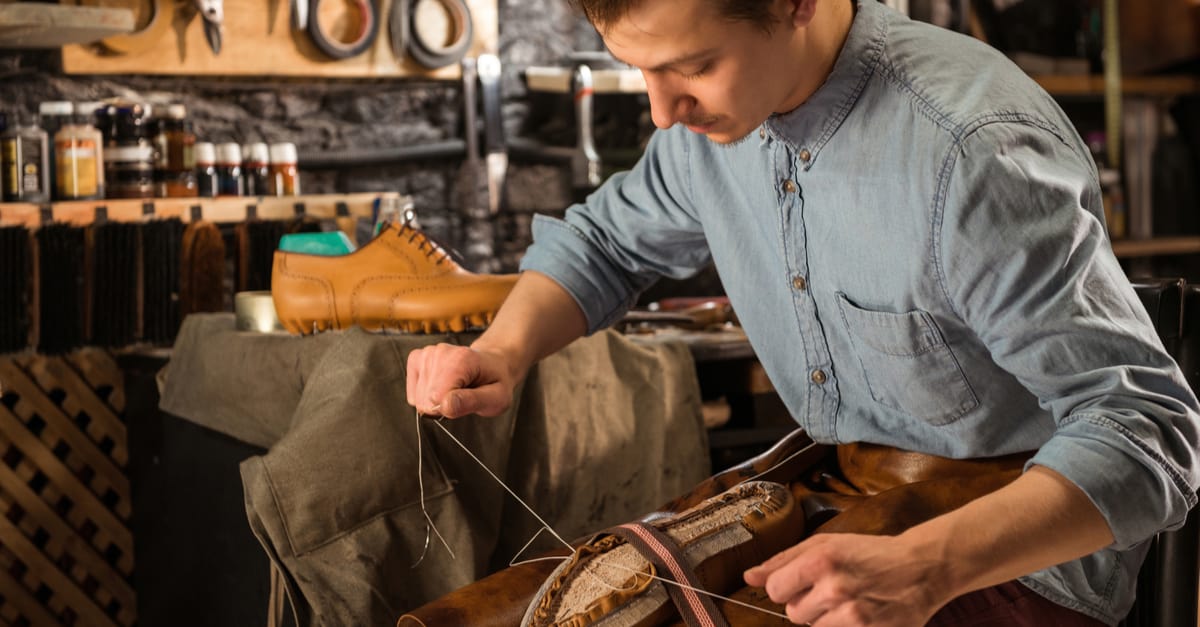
[213, 12]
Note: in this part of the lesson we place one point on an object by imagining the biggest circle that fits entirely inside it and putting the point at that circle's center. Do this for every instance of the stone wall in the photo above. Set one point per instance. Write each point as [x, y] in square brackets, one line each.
[330, 116]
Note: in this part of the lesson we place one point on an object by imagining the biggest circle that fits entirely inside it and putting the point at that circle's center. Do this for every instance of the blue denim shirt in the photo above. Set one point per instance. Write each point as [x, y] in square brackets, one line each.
[918, 256]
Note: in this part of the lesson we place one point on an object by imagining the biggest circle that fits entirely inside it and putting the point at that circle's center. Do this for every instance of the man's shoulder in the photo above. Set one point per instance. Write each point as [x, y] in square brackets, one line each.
[958, 80]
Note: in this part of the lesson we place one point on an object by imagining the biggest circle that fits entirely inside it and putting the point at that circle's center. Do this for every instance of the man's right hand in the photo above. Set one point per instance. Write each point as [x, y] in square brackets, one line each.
[453, 381]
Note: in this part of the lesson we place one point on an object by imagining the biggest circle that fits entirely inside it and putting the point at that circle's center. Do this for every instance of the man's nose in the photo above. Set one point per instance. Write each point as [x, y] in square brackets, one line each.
[668, 104]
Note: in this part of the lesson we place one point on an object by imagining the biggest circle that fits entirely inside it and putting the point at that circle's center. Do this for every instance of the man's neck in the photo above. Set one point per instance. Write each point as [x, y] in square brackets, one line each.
[817, 46]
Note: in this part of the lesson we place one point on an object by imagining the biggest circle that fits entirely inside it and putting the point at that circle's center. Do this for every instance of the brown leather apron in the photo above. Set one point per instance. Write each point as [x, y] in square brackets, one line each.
[855, 488]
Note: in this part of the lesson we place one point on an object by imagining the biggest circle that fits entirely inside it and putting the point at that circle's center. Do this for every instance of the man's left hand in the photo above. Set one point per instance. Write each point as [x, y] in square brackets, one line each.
[834, 580]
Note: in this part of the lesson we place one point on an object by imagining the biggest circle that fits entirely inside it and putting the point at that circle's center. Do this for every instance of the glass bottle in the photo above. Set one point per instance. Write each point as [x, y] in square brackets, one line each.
[229, 170]
[79, 160]
[129, 154]
[26, 161]
[206, 170]
[55, 115]
[284, 179]
[175, 149]
[256, 170]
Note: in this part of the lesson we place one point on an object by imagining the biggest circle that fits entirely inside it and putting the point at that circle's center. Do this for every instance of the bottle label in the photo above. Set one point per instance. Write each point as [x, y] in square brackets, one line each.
[23, 175]
[75, 161]
[11, 182]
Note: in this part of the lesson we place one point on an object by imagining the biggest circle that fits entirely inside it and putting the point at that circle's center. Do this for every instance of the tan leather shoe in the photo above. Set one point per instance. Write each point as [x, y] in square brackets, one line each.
[400, 280]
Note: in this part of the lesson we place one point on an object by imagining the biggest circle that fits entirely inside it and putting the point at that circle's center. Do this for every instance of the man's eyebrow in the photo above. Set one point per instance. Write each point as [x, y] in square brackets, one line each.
[679, 60]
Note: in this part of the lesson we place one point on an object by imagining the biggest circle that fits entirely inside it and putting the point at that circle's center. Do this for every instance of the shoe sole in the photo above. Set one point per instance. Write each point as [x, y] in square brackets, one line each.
[608, 583]
[454, 324]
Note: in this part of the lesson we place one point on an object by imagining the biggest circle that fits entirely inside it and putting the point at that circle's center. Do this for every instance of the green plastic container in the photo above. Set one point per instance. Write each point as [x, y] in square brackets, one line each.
[331, 244]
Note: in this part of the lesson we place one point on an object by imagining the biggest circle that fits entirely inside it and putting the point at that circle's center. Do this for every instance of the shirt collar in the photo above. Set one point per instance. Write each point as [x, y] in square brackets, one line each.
[812, 124]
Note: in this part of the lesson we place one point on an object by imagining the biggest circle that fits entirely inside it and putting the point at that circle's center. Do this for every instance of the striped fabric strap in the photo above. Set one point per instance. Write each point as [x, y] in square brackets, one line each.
[697, 609]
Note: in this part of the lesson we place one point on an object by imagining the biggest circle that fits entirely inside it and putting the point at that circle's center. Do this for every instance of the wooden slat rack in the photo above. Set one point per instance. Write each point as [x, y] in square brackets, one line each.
[66, 549]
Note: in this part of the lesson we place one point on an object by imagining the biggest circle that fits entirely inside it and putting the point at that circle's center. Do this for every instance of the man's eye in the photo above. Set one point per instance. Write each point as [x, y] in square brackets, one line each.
[698, 73]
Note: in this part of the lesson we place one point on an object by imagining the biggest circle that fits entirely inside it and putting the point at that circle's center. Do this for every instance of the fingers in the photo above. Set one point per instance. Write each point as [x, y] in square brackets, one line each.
[453, 381]
[757, 576]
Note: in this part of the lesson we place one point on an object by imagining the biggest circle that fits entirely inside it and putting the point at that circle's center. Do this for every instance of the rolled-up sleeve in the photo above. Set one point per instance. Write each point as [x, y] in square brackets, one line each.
[1025, 260]
[640, 225]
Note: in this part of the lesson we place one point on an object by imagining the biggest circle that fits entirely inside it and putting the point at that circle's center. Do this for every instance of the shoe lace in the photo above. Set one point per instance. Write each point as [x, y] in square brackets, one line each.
[427, 244]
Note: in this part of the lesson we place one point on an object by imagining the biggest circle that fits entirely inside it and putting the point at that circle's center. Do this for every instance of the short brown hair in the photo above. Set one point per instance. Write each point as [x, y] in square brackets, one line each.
[607, 12]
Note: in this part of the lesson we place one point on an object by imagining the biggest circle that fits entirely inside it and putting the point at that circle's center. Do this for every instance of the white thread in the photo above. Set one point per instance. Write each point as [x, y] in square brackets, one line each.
[421, 486]
[514, 562]
[573, 550]
[777, 465]
[506, 488]
[684, 586]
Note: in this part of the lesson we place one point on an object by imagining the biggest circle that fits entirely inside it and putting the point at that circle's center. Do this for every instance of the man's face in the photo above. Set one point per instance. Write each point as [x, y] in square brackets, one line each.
[718, 77]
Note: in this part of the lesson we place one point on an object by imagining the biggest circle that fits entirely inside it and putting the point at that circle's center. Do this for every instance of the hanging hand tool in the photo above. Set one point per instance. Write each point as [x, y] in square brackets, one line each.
[299, 14]
[585, 163]
[479, 241]
[493, 130]
[213, 12]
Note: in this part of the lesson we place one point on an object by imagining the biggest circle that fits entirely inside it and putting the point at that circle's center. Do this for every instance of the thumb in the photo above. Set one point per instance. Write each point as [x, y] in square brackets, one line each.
[487, 400]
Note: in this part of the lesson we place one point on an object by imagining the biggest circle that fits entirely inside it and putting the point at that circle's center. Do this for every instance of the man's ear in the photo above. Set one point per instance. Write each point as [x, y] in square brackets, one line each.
[802, 11]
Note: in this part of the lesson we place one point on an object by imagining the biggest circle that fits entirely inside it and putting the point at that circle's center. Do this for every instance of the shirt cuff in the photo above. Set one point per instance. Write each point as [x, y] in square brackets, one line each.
[563, 253]
[1136, 489]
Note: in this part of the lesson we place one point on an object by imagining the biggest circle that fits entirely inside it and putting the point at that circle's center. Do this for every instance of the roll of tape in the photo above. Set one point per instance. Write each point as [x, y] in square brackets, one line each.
[255, 311]
[364, 39]
[417, 27]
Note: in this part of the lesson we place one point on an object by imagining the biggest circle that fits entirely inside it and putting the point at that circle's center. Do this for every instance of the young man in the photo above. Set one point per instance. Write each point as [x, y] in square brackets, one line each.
[911, 232]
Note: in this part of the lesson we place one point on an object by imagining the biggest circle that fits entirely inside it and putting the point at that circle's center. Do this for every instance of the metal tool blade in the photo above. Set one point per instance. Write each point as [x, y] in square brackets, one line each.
[299, 14]
[493, 127]
[212, 33]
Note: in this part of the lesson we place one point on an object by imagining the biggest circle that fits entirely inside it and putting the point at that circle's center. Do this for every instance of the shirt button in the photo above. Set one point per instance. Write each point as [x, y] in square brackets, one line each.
[799, 283]
[818, 377]
[805, 155]
[762, 133]
[789, 186]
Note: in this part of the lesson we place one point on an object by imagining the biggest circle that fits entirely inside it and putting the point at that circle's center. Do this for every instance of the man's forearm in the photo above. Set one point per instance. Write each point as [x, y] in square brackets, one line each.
[1039, 520]
[538, 318]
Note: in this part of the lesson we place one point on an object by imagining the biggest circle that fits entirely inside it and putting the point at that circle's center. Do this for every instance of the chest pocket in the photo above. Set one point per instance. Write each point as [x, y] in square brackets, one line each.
[907, 364]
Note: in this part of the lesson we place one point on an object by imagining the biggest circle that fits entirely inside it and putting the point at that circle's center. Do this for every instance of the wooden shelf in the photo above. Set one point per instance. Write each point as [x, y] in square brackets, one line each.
[258, 40]
[604, 81]
[37, 25]
[1156, 246]
[224, 209]
[1093, 85]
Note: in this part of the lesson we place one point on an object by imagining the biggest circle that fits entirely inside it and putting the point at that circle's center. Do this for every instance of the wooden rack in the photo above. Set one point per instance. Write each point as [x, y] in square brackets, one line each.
[220, 210]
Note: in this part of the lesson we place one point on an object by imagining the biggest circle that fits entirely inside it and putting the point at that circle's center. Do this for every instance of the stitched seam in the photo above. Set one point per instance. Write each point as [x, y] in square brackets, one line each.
[1095, 611]
[446, 491]
[938, 211]
[331, 310]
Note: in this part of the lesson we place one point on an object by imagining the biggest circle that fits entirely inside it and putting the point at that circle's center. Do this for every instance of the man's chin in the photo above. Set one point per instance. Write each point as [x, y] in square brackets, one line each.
[719, 133]
[727, 138]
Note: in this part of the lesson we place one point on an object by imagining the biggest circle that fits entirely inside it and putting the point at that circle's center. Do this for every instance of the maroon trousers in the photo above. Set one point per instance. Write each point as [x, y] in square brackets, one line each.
[1008, 605]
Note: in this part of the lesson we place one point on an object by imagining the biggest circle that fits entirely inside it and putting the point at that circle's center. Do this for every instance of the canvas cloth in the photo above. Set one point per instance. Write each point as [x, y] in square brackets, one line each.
[599, 433]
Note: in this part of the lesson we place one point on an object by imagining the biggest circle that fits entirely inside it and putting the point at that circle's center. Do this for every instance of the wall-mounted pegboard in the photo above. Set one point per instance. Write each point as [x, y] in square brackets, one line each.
[258, 40]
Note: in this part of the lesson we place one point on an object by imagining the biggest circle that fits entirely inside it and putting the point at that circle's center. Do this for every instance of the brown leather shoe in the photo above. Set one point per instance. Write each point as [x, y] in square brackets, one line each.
[400, 280]
[711, 544]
